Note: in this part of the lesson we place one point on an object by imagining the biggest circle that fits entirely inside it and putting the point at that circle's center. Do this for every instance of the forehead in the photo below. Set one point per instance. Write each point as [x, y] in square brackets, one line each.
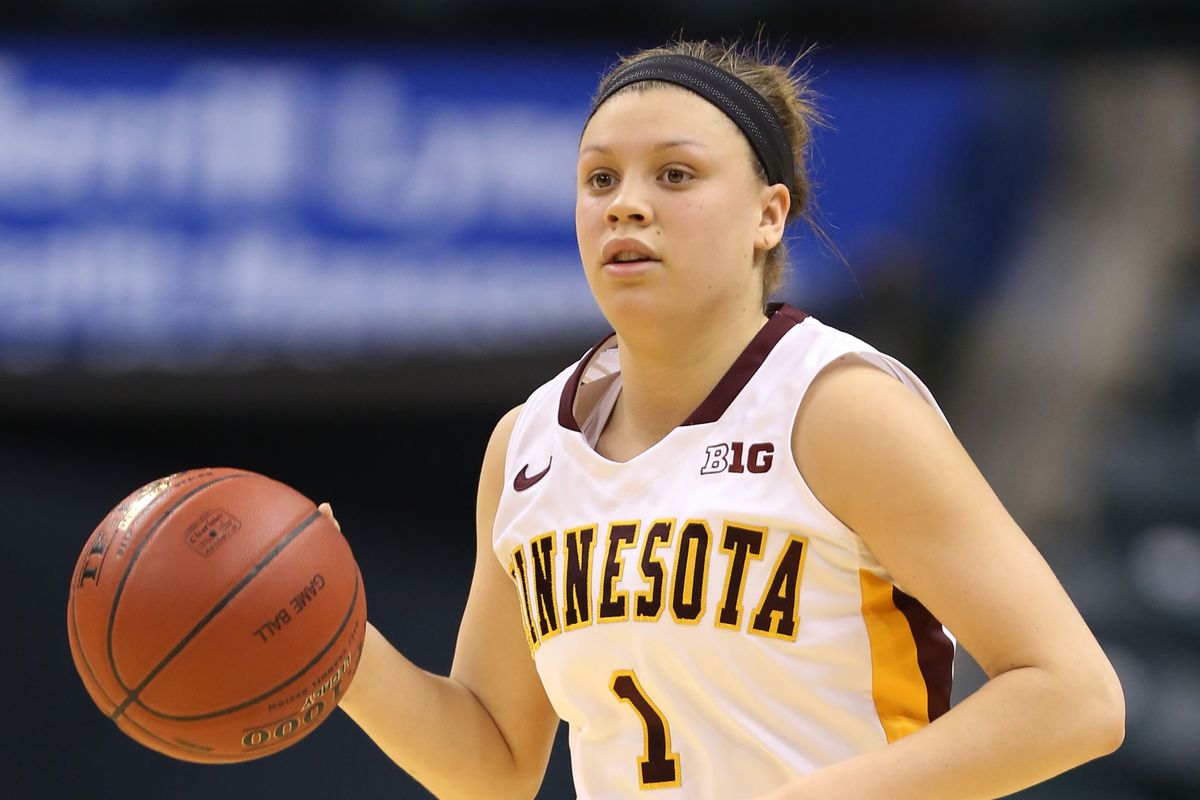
[663, 113]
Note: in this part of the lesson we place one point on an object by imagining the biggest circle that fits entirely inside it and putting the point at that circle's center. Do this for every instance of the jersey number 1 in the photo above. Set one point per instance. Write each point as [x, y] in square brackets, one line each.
[658, 768]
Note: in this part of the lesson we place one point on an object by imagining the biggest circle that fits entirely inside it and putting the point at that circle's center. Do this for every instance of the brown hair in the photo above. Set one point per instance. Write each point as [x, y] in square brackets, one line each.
[785, 86]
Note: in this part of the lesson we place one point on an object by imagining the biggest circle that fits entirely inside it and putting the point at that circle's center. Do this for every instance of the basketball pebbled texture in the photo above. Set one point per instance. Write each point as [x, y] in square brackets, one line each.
[216, 616]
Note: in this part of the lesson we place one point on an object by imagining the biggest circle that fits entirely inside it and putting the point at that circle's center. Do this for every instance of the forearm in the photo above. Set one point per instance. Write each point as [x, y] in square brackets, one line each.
[1020, 728]
[430, 725]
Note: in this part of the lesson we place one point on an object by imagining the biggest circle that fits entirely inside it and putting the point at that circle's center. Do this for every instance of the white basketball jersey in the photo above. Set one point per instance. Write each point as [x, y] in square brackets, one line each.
[705, 626]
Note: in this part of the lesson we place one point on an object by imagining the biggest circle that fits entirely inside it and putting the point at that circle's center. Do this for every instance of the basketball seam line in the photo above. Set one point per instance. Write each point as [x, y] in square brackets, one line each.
[91, 673]
[224, 601]
[133, 558]
[329, 646]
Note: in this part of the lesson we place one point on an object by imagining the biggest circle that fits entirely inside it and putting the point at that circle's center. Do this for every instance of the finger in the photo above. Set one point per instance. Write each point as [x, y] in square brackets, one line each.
[327, 510]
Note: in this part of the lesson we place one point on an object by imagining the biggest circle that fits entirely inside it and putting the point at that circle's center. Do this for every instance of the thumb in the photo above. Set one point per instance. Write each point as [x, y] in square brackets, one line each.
[327, 510]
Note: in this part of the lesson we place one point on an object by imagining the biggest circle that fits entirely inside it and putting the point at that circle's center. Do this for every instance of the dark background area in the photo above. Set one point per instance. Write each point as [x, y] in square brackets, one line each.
[394, 440]
[1058, 27]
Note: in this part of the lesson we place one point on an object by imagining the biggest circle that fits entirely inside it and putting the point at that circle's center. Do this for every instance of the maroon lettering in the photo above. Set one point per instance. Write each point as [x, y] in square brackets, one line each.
[517, 570]
[578, 579]
[736, 458]
[658, 767]
[541, 561]
[691, 566]
[735, 463]
[740, 543]
[613, 604]
[761, 456]
[648, 604]
[778, 611]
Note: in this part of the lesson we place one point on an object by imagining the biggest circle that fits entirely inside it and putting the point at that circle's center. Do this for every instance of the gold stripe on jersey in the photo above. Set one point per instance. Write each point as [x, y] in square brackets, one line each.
[648, 603]
[577, 576]
[740, 542]
[777, 615]
[901, 699]
[516, 568]
[689, 584]
[614, 606]
[541, 561]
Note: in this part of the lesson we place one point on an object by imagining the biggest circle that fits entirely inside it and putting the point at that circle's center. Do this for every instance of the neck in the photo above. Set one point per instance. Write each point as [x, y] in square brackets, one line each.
[668, 371]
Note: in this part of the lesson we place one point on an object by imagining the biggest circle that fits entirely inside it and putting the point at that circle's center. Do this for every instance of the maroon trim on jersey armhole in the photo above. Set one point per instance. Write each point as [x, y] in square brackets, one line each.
[782, 319]
[566, 400]
[935, 652]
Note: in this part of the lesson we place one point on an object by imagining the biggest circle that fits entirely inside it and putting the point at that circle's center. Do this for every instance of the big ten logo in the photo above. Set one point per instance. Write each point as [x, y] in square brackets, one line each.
[259, 737]
[736, 457]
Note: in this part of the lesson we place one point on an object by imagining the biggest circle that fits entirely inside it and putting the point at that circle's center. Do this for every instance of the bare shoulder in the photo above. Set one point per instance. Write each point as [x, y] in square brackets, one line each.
[498, 443]
[883, 461]
[853, 386]
[491, 474]
[855, 420]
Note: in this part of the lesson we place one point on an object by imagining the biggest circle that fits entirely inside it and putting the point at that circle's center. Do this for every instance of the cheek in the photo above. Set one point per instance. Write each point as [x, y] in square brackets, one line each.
[710, 224]
[588, 216]
[590, 229]
[717, 235]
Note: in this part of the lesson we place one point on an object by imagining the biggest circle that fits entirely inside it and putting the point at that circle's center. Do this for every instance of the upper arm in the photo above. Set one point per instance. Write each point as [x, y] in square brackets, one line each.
[888, 467]
[492, 657]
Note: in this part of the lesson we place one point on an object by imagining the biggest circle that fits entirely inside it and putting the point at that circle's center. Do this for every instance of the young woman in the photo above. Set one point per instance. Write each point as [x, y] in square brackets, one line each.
[721, 546]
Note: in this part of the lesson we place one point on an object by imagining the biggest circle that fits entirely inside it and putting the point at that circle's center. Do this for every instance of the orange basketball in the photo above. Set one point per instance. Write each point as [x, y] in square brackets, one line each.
[215, 615]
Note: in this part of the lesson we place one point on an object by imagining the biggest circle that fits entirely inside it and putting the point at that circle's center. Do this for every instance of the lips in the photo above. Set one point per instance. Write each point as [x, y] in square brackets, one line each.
[627, 251]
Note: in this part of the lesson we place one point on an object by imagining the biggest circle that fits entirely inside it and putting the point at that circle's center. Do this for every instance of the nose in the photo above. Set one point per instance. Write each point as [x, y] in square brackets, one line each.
[629, 204]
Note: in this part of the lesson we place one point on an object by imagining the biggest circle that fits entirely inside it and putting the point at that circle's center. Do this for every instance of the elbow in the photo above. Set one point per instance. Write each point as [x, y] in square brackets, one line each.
[1114, 726]
[519, 788]
[522, 788]
[1105, 700]
[515, 785]
[531, 791]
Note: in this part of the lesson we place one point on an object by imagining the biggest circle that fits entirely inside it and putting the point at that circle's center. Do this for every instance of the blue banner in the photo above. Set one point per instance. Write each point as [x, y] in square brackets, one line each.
[178, 206]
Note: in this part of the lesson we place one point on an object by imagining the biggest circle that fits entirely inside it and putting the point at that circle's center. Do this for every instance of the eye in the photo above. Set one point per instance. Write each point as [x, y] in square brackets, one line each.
[601, 180]
[675, 175]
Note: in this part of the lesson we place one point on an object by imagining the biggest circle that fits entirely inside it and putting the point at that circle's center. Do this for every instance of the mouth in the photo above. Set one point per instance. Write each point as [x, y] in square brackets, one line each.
[627, 254]
[630, 268]
[628, 260]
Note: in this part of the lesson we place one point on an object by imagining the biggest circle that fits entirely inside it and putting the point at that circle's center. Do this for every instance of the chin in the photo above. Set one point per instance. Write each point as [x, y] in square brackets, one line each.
[635, 305]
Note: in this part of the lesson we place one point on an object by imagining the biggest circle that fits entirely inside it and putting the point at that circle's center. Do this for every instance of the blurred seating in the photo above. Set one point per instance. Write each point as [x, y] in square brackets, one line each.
[1147, 471]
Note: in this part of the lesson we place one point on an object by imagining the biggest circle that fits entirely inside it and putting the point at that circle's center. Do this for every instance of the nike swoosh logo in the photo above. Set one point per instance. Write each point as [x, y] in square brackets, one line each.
[523, 481]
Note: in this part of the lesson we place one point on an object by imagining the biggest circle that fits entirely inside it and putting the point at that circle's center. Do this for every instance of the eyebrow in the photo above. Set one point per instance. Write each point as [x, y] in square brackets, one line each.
[667, 145]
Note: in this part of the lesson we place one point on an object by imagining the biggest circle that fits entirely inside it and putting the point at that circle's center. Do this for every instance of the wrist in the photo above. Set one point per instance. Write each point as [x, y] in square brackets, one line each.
[357, 688]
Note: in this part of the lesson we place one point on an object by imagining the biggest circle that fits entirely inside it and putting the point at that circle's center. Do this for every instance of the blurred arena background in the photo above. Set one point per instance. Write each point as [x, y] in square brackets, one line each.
[334, 243]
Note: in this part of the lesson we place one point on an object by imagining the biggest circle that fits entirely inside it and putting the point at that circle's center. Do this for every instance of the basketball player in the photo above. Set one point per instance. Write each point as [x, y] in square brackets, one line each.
[722, 545]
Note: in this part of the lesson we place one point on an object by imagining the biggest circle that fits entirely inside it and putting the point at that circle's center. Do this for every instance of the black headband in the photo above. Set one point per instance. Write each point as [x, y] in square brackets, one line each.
[737, 99]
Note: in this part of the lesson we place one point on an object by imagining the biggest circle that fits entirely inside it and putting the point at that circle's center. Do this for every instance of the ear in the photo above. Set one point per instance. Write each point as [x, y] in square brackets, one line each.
[775, 201]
